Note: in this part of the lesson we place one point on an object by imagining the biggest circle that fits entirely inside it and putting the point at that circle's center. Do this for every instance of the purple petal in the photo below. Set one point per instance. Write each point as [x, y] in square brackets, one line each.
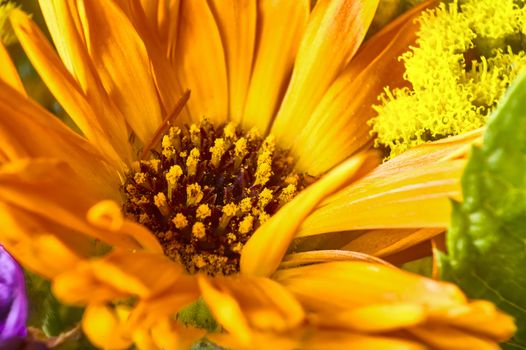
[13, 298]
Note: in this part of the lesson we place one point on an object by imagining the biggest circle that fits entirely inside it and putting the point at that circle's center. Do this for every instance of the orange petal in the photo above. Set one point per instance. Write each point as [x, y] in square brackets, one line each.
[411, 190]
[266, 305]
[338, 286]
[333, 340]
[165, 76]
[236, 21]
[50, 189]
[104, 329]
[108, 215]
[61, 83]
[375, 317]
[78, 286]
[265, 249]
[320, 256]
[62, 19]
[226, 309]
[8, 72]
[349, 100]
[382, 243]
[200, 61]
[280, 27]
[481, 317]
[448, 338]
[118, 274]
[168, 335]
[122, 62]
[182, 293]
[334, 33]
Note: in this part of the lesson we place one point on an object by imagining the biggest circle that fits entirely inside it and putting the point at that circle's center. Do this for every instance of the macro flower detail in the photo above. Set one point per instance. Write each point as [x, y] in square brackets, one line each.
[13, 299]
[461, 66]
[208, 190]
[166, 197]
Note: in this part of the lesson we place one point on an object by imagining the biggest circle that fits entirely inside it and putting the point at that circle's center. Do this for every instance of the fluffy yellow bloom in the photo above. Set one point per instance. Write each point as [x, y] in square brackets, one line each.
[461, 66]
[146, 211]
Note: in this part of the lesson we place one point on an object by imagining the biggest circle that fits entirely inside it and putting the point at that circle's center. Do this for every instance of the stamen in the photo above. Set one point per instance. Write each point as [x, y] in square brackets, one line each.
[178, 108]
[180, 221]
[192, 161]
[205, 190]
[193, 194]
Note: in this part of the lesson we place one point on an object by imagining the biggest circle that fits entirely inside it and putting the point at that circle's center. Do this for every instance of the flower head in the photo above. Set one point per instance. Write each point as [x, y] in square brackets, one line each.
[173, 195]
[13, 299]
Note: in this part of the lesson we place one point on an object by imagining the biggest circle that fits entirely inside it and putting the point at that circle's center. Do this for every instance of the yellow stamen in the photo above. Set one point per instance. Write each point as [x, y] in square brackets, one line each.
[192, 161]
[199, 230]
[180, 221]
[193, 194]
[263, 217]
[172, 176]
[245, 205]
[264, 198]
[217, 150]
[245, 226]
[160, 202]
[140, 178]
[195, 135]
[253, 134]
[230, 131]
[229, 211]
[203, 211]
[264, 168]
[287, 194]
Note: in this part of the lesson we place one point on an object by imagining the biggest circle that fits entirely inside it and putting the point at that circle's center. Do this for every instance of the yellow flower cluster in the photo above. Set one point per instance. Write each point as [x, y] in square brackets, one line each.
[7, 36]
[461, 65]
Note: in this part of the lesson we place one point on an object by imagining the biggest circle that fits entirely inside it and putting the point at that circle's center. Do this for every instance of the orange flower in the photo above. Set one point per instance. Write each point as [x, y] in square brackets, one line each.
[144, 213]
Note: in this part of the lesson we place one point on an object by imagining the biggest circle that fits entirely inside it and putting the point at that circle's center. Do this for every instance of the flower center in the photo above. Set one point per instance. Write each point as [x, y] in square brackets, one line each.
[208, 190]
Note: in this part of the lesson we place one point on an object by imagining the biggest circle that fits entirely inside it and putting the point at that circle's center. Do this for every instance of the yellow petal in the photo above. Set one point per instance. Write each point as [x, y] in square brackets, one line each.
[337, 286]
[132, 272]
[265, 249]
[448, 338]
[182, 293]
[319, 256]
[348, 101]
[117, 275]
[62, 19]
[78, 286]
[108, 215]
[200, 61]
[8, 72]
[122, 62]
[61, 83]
[375, 317]
[168, 335]
[280, 27]
[26, 131]
[104, 329]
[334, 33]
[226, 309]
[481, 317]
[382, 243]
[236, 21]
[266, 305]
[50, 189]
[39, 244]
[165, 77]
[411, 190]
[333, 340]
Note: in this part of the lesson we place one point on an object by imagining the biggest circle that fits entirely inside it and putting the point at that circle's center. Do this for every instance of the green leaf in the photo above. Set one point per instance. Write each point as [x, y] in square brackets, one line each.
[45, 311]
[487, 238]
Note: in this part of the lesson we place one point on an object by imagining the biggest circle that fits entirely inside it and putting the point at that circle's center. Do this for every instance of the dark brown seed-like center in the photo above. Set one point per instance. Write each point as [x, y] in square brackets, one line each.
[208, 190]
